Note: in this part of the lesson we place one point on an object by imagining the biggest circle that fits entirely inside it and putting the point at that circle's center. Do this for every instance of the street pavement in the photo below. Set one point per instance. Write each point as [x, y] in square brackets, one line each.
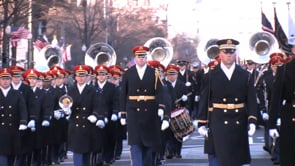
[192, 153]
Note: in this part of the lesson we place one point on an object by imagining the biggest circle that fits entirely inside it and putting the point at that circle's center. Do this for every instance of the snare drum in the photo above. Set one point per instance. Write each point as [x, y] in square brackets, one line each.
[181, 124]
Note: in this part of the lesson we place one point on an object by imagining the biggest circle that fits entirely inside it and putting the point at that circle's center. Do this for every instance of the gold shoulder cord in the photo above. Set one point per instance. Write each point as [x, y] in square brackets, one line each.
[157, 75]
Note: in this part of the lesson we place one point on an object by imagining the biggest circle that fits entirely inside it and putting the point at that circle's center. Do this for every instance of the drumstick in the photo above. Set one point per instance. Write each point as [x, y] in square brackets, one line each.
[179, 99]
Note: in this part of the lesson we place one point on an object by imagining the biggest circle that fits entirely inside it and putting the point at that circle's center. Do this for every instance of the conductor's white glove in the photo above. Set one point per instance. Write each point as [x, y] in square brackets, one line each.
[195, 123]
[203, 131]
[161, 113]
[106, 120]
[100, 124]
[273, 133]
[22, 127]
[165, 125]
[252, 129]
[45, 123]
[67, 111]
[265, 116]
[31, 124]
[57, 114]
[184, 97]
[188, 84]
[123, 121]
[92, 118]
[114, 117]
[197, 98]
[279, 122]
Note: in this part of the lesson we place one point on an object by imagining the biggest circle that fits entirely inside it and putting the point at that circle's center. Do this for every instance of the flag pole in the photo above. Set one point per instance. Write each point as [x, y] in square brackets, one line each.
[30, 63]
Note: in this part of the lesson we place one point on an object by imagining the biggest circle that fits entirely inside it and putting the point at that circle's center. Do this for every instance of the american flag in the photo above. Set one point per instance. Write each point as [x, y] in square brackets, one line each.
[17, 34]
[66, 53]
[266, 25]
[40, 43]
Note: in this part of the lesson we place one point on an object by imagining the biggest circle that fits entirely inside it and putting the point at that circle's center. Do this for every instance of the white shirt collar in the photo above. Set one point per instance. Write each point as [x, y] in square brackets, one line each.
[81, 88]
[16, 86]
[228, 71]
[101, 85]
[141, 70]
[5, 91]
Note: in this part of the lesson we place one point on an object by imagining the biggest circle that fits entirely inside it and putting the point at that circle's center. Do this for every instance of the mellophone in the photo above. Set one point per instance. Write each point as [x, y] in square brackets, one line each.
[181, 124]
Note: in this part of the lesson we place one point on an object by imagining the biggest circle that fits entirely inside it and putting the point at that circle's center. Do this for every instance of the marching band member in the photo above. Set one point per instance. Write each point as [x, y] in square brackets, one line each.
[83, 117]
[51, 99]
[230, 90]
[185, 75]
[142, 108]
[13, 118]
[282, 105]
[121, 131]
[177, 90]
[59, 122]
[264, 91]
[108, 95]
[24, 158]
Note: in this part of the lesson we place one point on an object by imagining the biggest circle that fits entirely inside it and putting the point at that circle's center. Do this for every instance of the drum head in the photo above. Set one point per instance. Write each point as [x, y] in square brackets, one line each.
[177, 112]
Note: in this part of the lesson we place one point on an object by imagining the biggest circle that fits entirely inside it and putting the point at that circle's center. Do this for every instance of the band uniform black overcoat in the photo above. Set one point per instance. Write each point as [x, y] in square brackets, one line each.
[229, 126]
[143, 122]
[283, 105]
[81, 131]
[13, 112]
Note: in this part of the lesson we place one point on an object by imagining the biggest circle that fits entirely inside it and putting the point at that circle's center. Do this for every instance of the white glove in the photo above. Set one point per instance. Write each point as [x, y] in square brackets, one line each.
[92, 118]
[165, 125]
[185, 138]
[114, 117]
[67, 111]
[161, 113]
[273, 133]
[252, 129]
[100, 124]
[106, 120]
[279, 122]
[31, 124]
[197, 98]
[57, 114]
[265, 116]
[123, 121]
[184, 97]
[45, 123]
[195, 123]
[203, 131]
[188, 84]
[119, 115]
[22, 127]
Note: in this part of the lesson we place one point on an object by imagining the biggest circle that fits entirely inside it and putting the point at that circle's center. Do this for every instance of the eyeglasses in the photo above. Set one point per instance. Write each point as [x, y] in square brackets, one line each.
[228, 51]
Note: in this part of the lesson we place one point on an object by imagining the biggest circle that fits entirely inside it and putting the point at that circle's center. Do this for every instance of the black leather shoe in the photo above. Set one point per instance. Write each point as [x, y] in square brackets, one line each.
[266, 149]
[276, 162]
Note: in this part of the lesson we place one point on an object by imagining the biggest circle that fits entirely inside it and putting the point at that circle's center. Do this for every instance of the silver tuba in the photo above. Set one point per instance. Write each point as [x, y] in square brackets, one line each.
[262, 44]
[208, 50]
[47, 57]
[100, 54]
[160, 49]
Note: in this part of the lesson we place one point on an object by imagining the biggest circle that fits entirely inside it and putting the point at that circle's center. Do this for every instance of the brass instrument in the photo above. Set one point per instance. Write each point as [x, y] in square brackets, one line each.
[47, 57]
[65, 102]
[207, 50]
[100, 54]
[262, 44]
[160, 49]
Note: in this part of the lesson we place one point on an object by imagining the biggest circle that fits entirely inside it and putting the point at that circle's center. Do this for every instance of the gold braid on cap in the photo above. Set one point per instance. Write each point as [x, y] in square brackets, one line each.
[157, 76]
